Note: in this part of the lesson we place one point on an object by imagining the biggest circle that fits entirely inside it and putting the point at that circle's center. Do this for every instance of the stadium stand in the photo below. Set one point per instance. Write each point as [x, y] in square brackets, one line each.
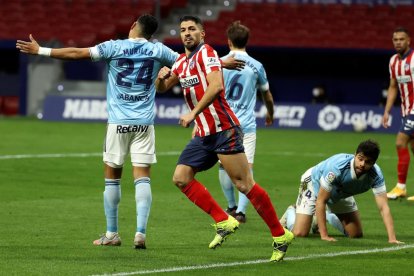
[75, 22]
[333, 25]
[307, 25]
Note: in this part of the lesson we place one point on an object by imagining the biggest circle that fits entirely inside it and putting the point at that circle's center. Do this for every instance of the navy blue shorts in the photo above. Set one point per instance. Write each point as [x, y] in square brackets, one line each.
[201, 152]
[407, 125]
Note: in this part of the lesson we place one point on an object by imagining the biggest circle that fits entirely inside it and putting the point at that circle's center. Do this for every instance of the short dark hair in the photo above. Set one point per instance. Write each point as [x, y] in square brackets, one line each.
[148, 24]
[401, 30]
[193, 18]
[369, 148]
[238, 34]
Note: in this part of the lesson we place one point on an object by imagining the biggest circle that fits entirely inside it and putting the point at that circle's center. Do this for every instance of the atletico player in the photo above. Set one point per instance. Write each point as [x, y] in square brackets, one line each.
[401, 68]
[218, 137]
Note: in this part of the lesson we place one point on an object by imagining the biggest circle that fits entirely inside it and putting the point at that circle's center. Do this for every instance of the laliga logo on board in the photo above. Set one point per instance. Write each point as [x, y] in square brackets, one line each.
[331, 117]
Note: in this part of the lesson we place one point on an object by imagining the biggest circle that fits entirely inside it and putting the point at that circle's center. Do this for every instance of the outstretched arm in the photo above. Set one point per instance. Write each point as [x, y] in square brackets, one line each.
[33, 48]
[382, 203]
[233, 64]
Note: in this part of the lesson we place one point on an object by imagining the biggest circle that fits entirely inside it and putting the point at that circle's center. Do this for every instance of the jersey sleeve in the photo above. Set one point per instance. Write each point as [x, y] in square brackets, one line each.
[103, 51]
[174, 68]
[328, 178]
[392, 72]
[168, 55]
[378, 186]
[209, 60]
[262, 82]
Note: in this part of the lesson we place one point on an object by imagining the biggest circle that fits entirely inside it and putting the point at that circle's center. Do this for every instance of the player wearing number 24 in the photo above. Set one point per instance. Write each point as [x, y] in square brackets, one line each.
[133, 65]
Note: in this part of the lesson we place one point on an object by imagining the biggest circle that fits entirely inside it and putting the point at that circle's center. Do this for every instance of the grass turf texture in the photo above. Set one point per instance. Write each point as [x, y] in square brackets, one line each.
[51, 208]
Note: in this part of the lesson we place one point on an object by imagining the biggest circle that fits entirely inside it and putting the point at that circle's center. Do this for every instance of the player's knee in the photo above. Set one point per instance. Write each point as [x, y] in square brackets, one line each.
[355, 235]
[300, 233]
[179, 181]
[243, 187]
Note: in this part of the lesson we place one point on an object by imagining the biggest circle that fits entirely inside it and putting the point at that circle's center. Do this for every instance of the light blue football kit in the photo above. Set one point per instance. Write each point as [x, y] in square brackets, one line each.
[241, 87]
[241, 90]
[337, 176]
[133, 65]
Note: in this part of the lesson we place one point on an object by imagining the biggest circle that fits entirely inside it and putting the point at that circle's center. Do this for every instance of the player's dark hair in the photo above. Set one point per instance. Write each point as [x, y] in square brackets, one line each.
[193, 18]
[148, 24]
[238, 34]
[401, 30]
[369, 148]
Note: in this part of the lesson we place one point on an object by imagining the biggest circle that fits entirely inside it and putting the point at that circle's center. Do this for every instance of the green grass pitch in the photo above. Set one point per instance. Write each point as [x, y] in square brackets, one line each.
[51, 208]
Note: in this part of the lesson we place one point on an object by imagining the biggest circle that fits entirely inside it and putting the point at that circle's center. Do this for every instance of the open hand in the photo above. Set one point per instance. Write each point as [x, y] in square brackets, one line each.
[28, 47]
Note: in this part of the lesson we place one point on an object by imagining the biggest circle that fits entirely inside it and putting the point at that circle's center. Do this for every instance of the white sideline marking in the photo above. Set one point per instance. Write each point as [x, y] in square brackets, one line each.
[65, 155]
[312, 256]
[166, 153]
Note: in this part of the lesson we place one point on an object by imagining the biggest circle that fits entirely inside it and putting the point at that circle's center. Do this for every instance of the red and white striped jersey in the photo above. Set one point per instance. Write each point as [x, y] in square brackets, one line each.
[192, 73]
[402, 70]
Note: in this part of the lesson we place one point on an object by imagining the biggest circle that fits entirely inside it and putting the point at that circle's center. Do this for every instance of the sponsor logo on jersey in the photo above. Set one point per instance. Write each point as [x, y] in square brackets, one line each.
[237, 105]
[133, 98]
[212, 61]
[131, 128]
[330, 177]
[403, 79]
[189, 81]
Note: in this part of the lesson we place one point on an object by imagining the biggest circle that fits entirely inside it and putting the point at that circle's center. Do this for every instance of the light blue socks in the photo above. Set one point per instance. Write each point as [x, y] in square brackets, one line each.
[143, 199]
[112, 197]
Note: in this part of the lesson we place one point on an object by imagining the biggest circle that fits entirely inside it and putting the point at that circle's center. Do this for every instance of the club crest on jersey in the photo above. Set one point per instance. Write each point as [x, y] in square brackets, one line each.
[212, 61]
[330, 177]
[192, 63]
[406, 67]
[189, 81]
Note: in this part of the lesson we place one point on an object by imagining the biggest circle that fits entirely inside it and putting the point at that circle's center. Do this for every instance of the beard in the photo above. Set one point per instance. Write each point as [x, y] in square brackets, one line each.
[190, 47]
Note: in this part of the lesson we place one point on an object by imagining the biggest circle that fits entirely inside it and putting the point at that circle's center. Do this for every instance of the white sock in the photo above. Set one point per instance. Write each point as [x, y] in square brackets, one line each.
[401, 186]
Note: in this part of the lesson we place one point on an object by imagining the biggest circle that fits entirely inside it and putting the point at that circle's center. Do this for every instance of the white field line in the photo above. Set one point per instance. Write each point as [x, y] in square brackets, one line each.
[166, 153]
[68, 155]
[289, 259]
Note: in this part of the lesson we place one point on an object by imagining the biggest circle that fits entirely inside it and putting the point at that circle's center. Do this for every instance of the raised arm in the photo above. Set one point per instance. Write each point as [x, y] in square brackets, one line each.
[383, 207]
[33, 48]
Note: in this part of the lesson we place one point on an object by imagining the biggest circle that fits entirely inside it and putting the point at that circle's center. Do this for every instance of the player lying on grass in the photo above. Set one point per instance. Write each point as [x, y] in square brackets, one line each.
[332, 183]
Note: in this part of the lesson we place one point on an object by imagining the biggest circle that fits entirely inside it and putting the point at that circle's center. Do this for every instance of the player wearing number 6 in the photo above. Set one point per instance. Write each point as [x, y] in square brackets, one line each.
[133, 65]
[241, 90]
[333, 183]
